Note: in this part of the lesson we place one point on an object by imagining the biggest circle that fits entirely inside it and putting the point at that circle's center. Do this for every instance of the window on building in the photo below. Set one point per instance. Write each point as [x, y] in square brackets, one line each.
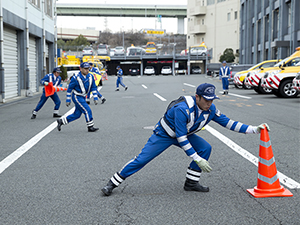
[203, 39]
[48, 7]
[36, 3]
[202, 21]
[259, 31]
[275, 24]
[289, 13]
[210, 2]
[235, 15]
[267, 24]
[221, 1]
[202, 2]
[228, 16]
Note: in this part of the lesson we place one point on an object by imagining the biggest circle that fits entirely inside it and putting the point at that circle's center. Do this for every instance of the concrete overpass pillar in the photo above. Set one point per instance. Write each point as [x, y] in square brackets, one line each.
[180, 25]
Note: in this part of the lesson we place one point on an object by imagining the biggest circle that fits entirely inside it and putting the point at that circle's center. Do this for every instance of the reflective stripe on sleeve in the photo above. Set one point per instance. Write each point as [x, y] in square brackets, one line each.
[182, 138]
[229, 124]
[238, 127]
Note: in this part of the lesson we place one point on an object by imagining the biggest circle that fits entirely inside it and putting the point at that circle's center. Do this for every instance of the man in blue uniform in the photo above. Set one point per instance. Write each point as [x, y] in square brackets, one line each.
[224, 75]
[182, 119]
[120, 79]
[56, 80]
[81, 84]
[95, 70]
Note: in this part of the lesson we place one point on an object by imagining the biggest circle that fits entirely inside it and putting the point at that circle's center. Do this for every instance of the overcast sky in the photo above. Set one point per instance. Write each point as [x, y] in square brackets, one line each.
[116, 24]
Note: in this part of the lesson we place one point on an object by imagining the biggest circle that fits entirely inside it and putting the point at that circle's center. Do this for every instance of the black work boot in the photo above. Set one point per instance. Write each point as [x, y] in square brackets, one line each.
[191, 185]
[56, 115]
[92, 129]
[59, 124]
[107, 190]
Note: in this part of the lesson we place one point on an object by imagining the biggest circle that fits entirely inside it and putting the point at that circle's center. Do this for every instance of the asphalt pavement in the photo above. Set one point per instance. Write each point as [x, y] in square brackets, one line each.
[52, 177]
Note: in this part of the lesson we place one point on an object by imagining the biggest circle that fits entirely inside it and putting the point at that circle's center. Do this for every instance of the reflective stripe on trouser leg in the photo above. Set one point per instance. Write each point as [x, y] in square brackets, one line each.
[193, 174]
[117, 179]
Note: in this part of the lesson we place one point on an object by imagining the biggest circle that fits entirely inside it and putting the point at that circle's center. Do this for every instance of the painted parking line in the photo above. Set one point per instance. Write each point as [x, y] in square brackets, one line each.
[236, 95]
[5, 163]
[290, 183]
[161, 98]
[190, 85]
[144, 86]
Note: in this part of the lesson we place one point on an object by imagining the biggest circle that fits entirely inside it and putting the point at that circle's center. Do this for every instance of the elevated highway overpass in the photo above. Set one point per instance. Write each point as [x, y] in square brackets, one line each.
[110, 10]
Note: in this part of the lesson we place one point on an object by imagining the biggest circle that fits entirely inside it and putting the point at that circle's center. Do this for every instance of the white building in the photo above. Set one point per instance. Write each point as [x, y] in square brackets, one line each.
[214, 22]
[27, 45]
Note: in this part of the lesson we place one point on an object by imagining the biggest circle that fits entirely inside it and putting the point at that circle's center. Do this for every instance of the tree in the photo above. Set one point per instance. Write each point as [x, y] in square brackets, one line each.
[60, 43]
[227, 56]
[63, 74]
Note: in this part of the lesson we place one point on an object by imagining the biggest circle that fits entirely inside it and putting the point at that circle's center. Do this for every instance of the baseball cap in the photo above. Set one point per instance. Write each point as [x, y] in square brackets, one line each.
[90, 63]
[85, 65]
[56, 69]
[118, 67]
[224, 62]
[207, 91]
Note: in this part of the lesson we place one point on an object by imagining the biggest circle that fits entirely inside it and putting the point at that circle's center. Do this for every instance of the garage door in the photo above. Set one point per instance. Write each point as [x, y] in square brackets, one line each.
[32, 64]
[10, 60]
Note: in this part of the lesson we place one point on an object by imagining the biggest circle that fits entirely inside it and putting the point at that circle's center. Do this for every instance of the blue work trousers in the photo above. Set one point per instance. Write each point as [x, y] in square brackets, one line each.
[81, 107]
[43, 100]
[120, 81]
[225, 83]
[156, 144]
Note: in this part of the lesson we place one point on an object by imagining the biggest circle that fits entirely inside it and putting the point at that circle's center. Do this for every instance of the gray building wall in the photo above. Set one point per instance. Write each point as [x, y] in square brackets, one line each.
[269, 29]
[15, 18]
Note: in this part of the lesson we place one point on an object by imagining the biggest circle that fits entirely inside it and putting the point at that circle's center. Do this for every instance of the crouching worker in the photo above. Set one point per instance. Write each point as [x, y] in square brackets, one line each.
[182, 119]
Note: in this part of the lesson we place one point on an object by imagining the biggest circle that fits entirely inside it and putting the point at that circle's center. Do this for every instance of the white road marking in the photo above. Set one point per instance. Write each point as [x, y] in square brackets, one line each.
[236, 95]
[290, 183]
[144, 86]
[161, 98]
[5, 163]
[190, 85]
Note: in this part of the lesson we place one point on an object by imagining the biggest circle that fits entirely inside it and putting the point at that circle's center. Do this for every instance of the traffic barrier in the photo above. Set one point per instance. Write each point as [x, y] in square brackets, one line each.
[268, 184]
[50, 90]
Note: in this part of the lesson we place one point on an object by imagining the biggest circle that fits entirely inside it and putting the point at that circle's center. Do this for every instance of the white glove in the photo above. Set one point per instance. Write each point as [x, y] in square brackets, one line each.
[262, 126]
[204, 165]
[96, 102]
[68, 103]
[46, 83]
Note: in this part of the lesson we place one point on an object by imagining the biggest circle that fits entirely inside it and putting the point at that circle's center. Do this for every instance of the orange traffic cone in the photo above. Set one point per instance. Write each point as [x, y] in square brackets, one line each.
[267, 182]
[50, 90]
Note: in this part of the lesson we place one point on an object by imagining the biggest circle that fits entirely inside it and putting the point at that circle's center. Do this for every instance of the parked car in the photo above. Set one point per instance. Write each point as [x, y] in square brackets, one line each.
[87, 51]
[131, 51]
[102, 49]
[213, 69]
[165, 70]
[149, 70]
[119, 50]
[134, 71]
[199, 51]
[235, 69]
[196, 70]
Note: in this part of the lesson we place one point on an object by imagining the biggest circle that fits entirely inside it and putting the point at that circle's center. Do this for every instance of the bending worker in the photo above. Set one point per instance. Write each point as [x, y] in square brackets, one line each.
[182, 119]
[55, 78]
[81, 84]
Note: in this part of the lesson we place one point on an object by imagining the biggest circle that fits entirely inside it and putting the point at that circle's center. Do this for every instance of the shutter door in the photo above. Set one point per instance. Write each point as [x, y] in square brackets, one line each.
[10, 50]
[32, 64]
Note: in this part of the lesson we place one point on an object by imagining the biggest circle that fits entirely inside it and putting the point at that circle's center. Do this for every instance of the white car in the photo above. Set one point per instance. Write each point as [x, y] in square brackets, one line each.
[119, 50]
[166, 70]
[149, 70]
[87, 51]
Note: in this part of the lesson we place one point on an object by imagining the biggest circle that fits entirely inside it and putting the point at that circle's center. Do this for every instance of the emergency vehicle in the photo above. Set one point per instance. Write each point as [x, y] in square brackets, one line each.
[239, 77]
[281, 80]
[296, 82]
[253, 77]
[151, 48]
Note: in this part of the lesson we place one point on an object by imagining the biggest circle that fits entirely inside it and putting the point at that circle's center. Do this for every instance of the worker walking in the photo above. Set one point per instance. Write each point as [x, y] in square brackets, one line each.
[96, 71]
[80, 85]
[120, 79]
[224, 75]
[55, 78]
[183, 118]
